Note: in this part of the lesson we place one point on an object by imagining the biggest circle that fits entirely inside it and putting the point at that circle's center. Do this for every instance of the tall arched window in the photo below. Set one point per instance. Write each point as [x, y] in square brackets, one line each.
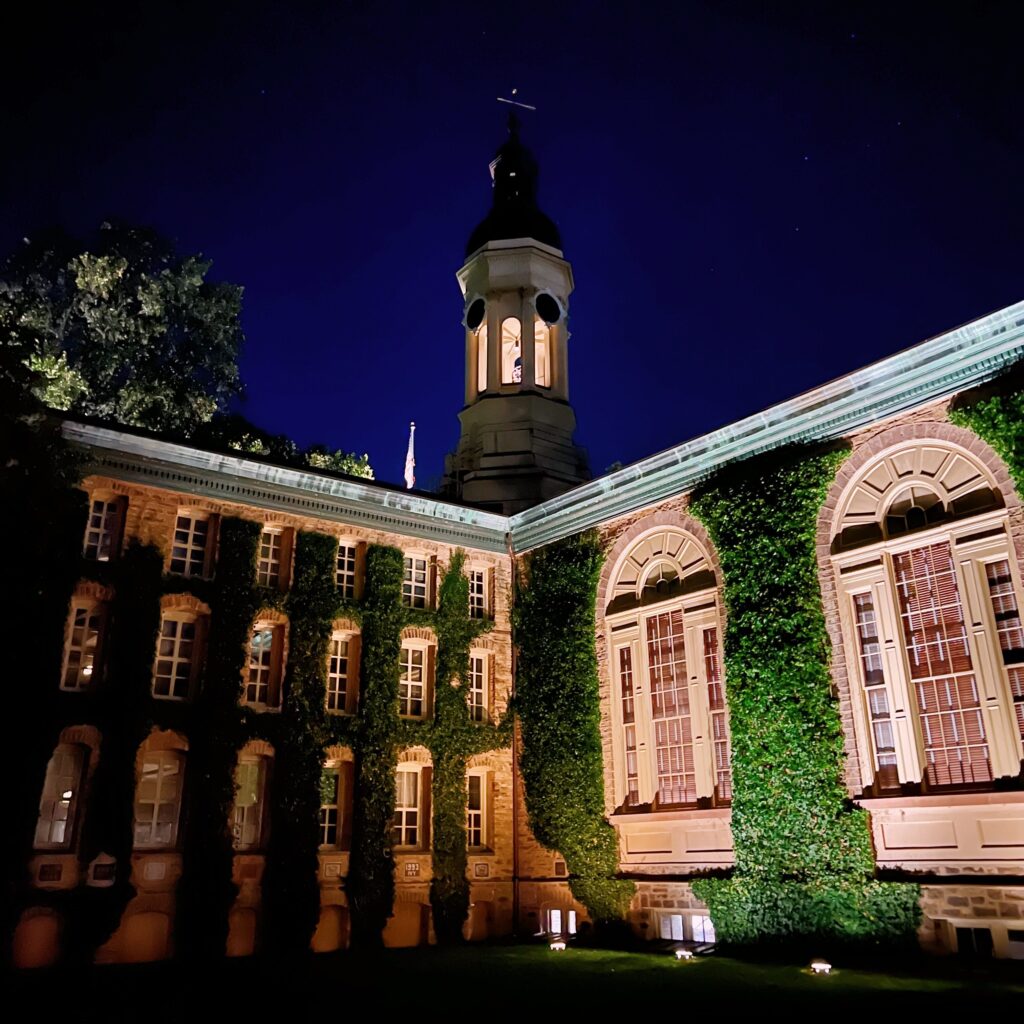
[928, 586]
[60, 801]
[669, 715]
[541, 353]
[481, 357]
[511, 351]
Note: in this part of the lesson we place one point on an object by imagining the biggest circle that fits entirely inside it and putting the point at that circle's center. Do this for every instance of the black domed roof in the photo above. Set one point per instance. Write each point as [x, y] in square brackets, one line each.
[514, 211]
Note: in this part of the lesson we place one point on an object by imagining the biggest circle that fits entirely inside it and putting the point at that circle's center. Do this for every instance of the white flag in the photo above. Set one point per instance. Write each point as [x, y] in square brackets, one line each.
[410, 461]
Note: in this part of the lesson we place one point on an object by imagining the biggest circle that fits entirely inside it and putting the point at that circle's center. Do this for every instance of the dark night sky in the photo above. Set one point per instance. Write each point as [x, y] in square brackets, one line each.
[755, 198]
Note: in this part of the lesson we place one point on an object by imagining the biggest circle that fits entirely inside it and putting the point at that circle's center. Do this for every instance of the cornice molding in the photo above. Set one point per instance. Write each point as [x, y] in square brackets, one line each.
[944, 365]
[174, 466]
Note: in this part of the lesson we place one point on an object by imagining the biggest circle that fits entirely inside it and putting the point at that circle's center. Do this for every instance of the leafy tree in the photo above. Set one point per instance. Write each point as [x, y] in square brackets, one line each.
[236, 433]
[122, 328]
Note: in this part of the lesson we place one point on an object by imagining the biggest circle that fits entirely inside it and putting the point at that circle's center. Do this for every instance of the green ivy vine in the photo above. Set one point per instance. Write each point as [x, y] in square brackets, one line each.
[996, 414]
[558, 704]
[804, 861]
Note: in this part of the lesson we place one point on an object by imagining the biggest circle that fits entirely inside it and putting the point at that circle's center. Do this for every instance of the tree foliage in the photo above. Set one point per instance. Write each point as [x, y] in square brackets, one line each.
[123, 327]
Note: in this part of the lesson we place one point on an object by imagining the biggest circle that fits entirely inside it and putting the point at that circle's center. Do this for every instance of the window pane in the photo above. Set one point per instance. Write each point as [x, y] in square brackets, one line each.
[670, 709]
[935, 640]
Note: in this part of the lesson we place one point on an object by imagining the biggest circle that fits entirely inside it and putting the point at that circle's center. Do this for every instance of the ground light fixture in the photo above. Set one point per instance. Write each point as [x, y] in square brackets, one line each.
[820, 966]
[684, 954]
[557, 946]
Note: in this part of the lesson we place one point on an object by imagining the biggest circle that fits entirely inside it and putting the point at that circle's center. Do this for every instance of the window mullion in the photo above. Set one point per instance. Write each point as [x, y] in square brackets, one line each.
[645, 752]
[905, 720]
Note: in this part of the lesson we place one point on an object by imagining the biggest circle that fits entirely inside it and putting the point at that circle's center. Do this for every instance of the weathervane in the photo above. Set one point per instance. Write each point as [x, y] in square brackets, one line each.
[516, 103]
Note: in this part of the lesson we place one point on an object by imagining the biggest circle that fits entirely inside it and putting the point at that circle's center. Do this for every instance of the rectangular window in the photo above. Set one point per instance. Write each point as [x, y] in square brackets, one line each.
[670, 927]
[629, 726]
[175, 658]
[941, 670]
[412, 682]
[1010, 630]
[414, 582]
[56, 823]
[330, 807]
[475, 812]
[337, 673]
[719, 717]
[670, 709]
[158, 800]
[263, 679]
[345, 578]
[82, 652]
[103, 529]
[250, 794]
[477, 593]
[268, 565]
[477, 695]
[405, 830]
[870, 651]
[701, 928]
[191, 544]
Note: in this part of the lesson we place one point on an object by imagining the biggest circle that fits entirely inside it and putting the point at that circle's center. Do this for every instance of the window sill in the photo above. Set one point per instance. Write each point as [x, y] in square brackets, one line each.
[678, 814]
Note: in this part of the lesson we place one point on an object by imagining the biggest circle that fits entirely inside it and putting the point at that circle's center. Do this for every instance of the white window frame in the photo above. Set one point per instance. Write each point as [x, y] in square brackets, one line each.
[335, 703]
[102, 539]
[411, 647]
[248, 821]
[273, 665]
[59, 802]
[406, 812]
[335, 810]
[974, 542]
[270, 557]
[478, 820]
[175, 657]
[158, 760]
[346, 569]
[412, 597]
[627, 631]
[94, 614]
[478, 689]
[191, 552]
[479, 591]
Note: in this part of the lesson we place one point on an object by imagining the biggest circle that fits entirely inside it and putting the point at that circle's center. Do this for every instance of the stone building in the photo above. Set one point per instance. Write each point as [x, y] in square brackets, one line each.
[919, 547]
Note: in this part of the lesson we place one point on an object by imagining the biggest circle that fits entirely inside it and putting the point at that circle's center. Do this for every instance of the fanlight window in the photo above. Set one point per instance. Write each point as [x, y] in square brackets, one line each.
[912, 489]
[659, 566]
[914, 508]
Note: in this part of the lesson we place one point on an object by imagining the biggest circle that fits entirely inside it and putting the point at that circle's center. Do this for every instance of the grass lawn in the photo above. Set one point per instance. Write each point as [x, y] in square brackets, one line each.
[523, 981]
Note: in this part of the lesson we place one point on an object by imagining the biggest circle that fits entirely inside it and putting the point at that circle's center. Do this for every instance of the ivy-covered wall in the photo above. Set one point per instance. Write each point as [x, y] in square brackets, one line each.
[804, 861]
[558, 704]
[216, 726]
[996, 414]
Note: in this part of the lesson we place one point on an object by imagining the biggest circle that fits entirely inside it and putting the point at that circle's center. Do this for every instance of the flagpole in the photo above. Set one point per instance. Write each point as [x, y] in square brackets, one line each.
[410, 460]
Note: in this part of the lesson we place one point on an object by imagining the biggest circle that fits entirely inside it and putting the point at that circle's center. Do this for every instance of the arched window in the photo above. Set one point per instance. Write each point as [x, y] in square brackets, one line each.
[481, 357]
[60, 800]
[511, 351]
[158, 795]
[928, 586]
[541, 353]
[671, 730]
[248, 813]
